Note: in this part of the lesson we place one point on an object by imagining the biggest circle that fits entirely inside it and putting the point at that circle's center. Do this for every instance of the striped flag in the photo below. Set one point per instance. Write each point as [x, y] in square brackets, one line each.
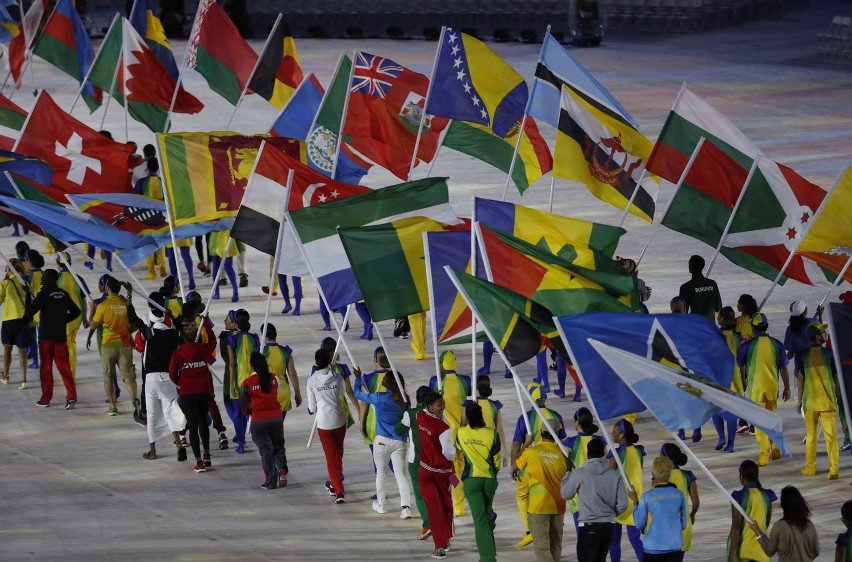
[12, 119]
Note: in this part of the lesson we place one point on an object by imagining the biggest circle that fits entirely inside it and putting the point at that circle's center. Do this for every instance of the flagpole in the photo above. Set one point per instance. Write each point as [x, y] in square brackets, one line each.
[423, 115]
[275, 260]
[835, 351]
[94, 61]
[428, 259]
[342, 117]
[171, 222]
[805, 233]
[111, 90]
[390, 361]
[130, 273]
[301, 85]
[552, 184]
[606, 434]
[127, 116]
[26, 45]
[674, 194]
[325, 94]
[438, 150]
[632, 197]
[192, 34]
[733, 213]
[253, 71]
[87, 294]
[837, 281]
[216, 279]
[26, 122]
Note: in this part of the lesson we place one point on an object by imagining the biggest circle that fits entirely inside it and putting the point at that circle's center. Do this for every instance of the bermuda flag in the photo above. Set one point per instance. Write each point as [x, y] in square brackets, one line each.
[264, 203]
[83, 160]
[12, 118]
[317, 226]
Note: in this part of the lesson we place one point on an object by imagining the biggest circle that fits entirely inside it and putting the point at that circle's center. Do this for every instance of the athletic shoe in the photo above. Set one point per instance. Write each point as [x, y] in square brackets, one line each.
[720, 444]
[181, 454]
[71, 404]
[525, 541]
[206, 459]
[808, 472]
[696, 435]
[406, 513]
[833, 476]
[112, 411]
[681, 434]
[374, 497]
[329, 487]
[483, 371]
[199, 467]
[440, 553]
[379, 508]
[243, 280]
[751, 430]
[282, 477]
[136, 404]
[41, 404]
[776, 454]
[742, 430]
[183, 441]
[24, 385]
[846, 446]
[424, 534]
[4, 380]
[139, 420]
[340, 498]
[730, 447]
[223, 440]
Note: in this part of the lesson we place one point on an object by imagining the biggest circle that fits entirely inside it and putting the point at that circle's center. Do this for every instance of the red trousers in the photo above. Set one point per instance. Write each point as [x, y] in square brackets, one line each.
[55, 352]
[435, 489]
[332, 446]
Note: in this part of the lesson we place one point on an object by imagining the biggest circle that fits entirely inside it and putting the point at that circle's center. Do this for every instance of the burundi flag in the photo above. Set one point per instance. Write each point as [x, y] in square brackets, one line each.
[206, 174]
[472, 83]
[557, 68]
[679, 399]
[12, 119]
[683, 341]
[606, 154]
[32, 168]
[316, 228]
[534, 158]
[145, 19]
[219, 53]
[278, 72]
[829, 240]
[298, 113]
[65, 44]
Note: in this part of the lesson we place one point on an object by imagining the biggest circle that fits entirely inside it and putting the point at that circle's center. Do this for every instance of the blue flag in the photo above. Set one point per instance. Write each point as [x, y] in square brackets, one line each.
[27, 166]
[146, 21]
[682, 341]
[297, 116]
[557, 68]
[678, 399]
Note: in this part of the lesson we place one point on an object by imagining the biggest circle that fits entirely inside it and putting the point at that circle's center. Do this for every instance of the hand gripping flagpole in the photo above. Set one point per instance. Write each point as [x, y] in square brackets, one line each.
[423, 114]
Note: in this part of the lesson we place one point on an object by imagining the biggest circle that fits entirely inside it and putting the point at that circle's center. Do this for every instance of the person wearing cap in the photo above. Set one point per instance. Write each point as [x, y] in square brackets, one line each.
[817, 387]
[545, 466]
[796, 337]
[761, 361]
[577, 446]
[700, 293]
[527, 437]
[600, 496]
[77, 290]
[455, 389]
[661, 515]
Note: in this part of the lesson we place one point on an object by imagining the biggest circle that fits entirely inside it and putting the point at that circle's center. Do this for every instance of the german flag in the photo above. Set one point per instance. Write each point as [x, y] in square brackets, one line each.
[278, 72]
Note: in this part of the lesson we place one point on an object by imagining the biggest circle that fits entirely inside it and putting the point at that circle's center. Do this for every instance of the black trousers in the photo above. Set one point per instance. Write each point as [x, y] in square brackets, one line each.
[195, 408]
[268, 436]
[673, 556]
[593, 541]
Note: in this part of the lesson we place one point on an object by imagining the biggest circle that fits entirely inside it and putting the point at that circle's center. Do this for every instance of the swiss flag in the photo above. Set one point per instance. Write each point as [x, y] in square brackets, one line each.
[83, 160]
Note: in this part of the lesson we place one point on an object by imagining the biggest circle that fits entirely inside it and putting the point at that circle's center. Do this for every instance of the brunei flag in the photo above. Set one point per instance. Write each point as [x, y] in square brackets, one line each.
[605, 153]
[278, 72]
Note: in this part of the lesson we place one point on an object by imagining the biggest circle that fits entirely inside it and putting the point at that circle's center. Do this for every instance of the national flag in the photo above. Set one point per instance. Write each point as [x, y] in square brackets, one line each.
[9, 28]
[145, 19]
[206, 174]
[829, 240]
[317, 226]
[557, 68]
[12, 119]
[19, 46]
[775, 212]
[322, 138]
[554, 282]
[679, 399]
[533, 160]
[263, 205]
[555, 231]
[684, 341]
[384, 113]
[278, 72]
[65, 44]
[219, 53]
[703, 204]
[472, 83]
[298, 114]
[606, 154]
[32, 168]
[389, 265]
[28, 190]
[83, 160]
[839, 321]
[690, 119]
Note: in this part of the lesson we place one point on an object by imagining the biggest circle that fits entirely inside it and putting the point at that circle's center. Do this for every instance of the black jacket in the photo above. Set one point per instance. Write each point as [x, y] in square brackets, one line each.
[57, 309]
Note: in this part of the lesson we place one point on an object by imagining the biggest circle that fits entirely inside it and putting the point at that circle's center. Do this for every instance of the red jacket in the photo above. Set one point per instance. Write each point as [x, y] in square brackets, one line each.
[258, 404]
[435, 440]
[190, 368]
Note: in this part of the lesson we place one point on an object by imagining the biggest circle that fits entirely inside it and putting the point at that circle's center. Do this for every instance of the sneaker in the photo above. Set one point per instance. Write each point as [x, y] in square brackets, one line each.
[776, 454]
[729, 448]
[181, 454]
[112, 411]
[846, 446]
[4, 380]
[206, 459]
[329, 487]
[139, 420]
[424, 534]
[378, 507]
[183, 441]
[41, 404]
[406, 513]
[243, 280]
[525, 541]
[374, 497]
[24, 385]
[282, 477]
[340, 498]
[71, 404]
[440, 553]
[720, 444]
[808, 472]
[223, 441]
[742, 430]
[751, 430]
[833, 476]
[762, 461]
[199, 467]
[136, 404]
[696, 435]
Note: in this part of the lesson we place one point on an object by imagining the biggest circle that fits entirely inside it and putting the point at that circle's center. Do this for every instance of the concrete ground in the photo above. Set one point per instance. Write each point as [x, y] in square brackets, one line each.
[74, 486]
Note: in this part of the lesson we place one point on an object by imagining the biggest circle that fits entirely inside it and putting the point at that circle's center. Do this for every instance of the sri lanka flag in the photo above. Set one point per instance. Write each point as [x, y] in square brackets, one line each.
[146, 22]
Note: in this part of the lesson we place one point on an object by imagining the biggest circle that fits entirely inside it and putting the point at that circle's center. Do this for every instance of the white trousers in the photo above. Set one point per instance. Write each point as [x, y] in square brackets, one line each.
[161, 401]
[392, 450]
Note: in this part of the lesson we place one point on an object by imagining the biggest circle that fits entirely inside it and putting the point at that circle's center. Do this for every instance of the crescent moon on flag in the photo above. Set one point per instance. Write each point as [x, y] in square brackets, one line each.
[309, 192]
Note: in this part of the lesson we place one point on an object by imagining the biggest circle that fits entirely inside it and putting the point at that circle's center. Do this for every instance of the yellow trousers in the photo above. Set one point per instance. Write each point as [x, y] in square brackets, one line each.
[762, 439]
[71, 335]
[828, 421]
[522, 496]
[418, 334]
[158, 257]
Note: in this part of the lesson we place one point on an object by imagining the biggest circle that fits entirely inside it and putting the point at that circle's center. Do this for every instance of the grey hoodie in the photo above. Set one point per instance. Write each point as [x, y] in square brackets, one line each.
[602, 496]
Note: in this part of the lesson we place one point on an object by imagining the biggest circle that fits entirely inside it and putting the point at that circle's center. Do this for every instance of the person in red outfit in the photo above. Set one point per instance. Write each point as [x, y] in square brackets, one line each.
[190, 371]
[437, 452]
[259, 399]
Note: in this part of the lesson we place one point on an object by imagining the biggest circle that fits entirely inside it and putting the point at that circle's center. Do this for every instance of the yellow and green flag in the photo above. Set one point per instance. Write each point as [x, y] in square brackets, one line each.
[829, 240]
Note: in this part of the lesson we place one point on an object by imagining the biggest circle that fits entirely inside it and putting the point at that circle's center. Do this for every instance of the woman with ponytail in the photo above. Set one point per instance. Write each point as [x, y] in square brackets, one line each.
[757, 503]
[259, 399]
[490, 411]
[577, 446]
[686, 483]
[632, 457]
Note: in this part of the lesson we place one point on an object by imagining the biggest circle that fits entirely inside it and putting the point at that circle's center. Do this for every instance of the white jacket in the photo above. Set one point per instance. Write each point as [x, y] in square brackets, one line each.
[325, 394]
